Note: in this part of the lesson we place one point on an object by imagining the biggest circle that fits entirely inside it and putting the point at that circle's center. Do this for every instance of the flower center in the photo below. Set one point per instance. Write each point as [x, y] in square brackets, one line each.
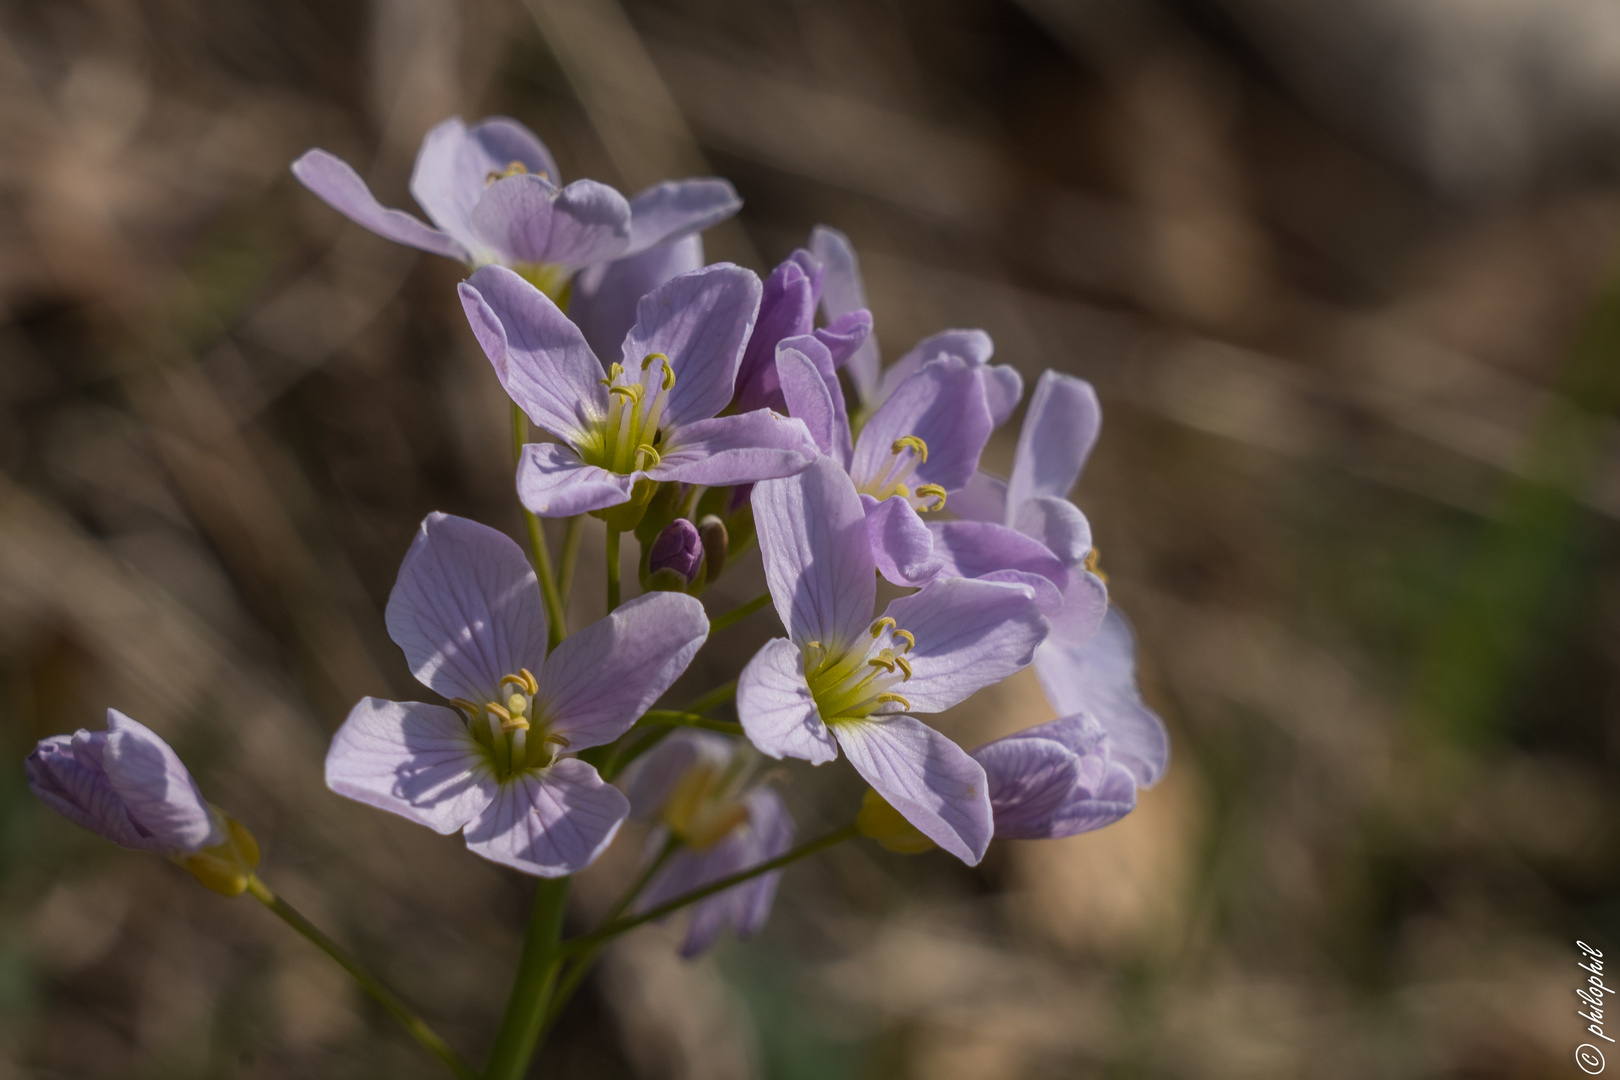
[858, 682]
[893, 476]
[628, 440]
[510, 729]
[705, 807]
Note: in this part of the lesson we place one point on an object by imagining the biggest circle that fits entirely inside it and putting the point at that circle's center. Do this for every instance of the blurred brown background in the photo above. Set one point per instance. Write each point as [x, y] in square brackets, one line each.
[1338, 272]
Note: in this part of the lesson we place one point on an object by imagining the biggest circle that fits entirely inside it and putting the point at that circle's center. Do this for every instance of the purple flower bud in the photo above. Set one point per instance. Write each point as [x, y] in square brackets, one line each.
[679, 548]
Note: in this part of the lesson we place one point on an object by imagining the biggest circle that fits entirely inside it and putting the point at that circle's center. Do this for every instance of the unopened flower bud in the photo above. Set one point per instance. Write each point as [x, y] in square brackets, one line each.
[675, 562]
[716, 543]
[881, 822]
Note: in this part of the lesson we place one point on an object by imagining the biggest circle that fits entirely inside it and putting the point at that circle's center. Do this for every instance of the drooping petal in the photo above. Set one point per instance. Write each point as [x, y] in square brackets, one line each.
[341, 188]
[1057, 524]
[818, 560]
[155, 787]
[727, 450]
[79, 791]
[600, 679]
[902, 546]
[978, 549]
[1003, 386]
[701, 321]
[550, 822]
[932, 782]
[1081, 614]
[527, 220]
[539, 355]
[778, 713]
[650, 780]
[811, 347]
[772, 831]
[845, 335]
[552, 481]
[969, 635]
[455, 163]
[1059, 431]
[1087, 810]
[1099, 677]
[688, 870]
[411, 759]
[842, 292]
[982, 498]
[466, 609]
[807, 397]
[943, 404]
[787, 309]
[679, 208]
[973, 346]
[605, 296]
[1030, 780]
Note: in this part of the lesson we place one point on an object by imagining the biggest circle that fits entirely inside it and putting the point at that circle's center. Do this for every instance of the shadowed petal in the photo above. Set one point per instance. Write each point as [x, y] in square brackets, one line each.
[701, 321]
[1058, 434]
[771, 831]
[678, 208]
[527, 220]
[807, 397]
[553, 482]
[969, 634]
[902, 546]
[1087, 810]
[982, 498]
[341, 188]
[777, 712]
[466, 608]
[605, 295]
[841, 293]
[454, 164]
[650, 780]
[787, 309]
[551, 822]
[411, 759]
[80, 792]
[1030, 780]
[600, 679]
[1057, 524]
[1003, 386]
[1085, 604]
[932, 782]
[727, 450]
[818, 560]
[978, 549]
[943, 404]
[155, 787]
[1099, 677]
[845, 335]
[540, 357]
[973, 346]
[810, 347]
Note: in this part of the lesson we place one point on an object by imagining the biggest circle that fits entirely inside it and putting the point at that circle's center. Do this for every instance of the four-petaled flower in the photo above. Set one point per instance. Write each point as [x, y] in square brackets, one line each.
[702, 792]
[653, 417]
[1056, 779]
[841, 679]
[466, 611]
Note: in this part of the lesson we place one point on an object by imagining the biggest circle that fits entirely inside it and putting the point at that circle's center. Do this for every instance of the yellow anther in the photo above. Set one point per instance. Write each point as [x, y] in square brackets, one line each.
[513, 168]
[553, 739]
[1093, 562]
[884, 623]
[515, 723]
[911, 642]
[932, 491]
[465, 706]
[529, 679]
[910, 442]
[904, 665]
[669, 372]
[902, 491]
[518, 681]
[894, 697]
[633, 391]
[646, 449]
[884, 662]
[499, 711]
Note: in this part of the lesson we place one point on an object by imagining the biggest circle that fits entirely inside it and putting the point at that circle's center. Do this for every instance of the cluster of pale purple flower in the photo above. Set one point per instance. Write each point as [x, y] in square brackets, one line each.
[700, 408]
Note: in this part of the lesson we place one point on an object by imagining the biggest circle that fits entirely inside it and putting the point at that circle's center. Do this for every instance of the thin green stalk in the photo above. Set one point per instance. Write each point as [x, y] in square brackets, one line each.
[714, 698]
[738, 613]
[426, 1036]
[676, 718]
[574, 973]
[537, 541]
[587, 942]
[570, 556]
[612, 568]
[525, 1015]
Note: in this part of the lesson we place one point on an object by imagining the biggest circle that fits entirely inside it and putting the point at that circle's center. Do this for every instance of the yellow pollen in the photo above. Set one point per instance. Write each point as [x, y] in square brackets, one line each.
[528, 677]
[910, 442]
[465, 706]
[878, 627]
[646, 450]
[904, 665]
[633, 391]
[883, 662]
[1093, 563]
[514, 168]
[669, 372]
[911, 642]
[932, 491]
[498, 711]
[894, 697]
[555, 740]
[515, 723]
[516, 680]
[902, 490]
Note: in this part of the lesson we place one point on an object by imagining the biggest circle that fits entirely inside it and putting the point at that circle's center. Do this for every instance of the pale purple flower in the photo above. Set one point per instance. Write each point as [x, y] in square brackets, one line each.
[127, 785]
[466, 611]
[920, 445]
[1056, 779]
[788, 310]
[843, 292]
[702, 791]
[841, 679]
[494, 194]
[654, 416]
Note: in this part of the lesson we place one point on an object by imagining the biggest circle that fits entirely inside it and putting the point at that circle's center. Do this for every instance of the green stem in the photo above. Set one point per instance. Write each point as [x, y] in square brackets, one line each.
[525, 1015]
[570, 556]
[558, 619]
[587, 942]
[612, 568]
[675, 718]
[714, 698]
[385, 997]
[738, 613]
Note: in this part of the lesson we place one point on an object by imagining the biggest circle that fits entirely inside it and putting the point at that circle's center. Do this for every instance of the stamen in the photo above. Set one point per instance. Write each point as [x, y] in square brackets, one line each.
[467, 707]
[894, 697]
[904, 665]
[515, 723]
[646, 450]
[932, 491]
[879, 626]
[551, 738]
[516, 680]
[910, 442]
[911, 642]
[514, 168]
[528, 677]
[884, 662]
[633, 391]
[498, 711]
[669, 372]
